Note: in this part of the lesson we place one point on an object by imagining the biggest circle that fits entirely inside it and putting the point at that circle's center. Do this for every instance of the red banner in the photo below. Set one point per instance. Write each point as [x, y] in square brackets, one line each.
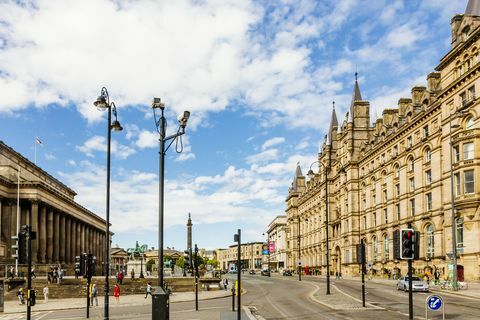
[271, 247]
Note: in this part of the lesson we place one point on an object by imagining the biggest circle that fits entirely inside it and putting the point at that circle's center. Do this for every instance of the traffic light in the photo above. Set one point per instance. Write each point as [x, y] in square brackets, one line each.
[31, 295]
[187, 259]
[22, 247]
[80, 264]
[90, 265]
[407, 250]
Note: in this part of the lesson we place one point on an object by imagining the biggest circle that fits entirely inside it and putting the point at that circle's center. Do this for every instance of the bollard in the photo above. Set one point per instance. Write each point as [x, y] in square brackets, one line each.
[233, 299]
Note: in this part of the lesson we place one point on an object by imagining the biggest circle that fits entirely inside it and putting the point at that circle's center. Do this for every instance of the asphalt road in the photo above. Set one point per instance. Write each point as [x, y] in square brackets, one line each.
[285, 298]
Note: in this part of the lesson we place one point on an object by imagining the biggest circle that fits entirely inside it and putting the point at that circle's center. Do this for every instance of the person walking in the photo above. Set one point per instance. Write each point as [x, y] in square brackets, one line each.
[132, 274]
[46, 292]
[120, 277]
[116, 293]
[21, 296]
[148, 291]
[32, 271]
[94, 295]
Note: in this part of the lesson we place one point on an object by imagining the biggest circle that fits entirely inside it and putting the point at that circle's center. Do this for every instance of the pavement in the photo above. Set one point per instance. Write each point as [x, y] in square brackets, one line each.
[126, 300]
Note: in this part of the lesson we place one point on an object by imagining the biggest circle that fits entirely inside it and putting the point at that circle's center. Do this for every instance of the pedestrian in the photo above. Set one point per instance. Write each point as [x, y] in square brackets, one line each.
[225, 284]
[120, 277]
[46, 292]
[32, 271]
[20, 295]
[116, 293]
[94, 294]
[132, 274]
[148, 291]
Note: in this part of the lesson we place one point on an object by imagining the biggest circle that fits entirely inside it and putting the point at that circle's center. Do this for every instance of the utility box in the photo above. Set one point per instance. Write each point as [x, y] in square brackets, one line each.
[160, 304]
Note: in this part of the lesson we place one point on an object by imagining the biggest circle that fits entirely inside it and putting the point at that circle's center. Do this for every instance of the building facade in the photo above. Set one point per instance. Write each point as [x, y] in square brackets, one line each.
[399, 172]
[64, 228]
[277, 233]
[251, 256]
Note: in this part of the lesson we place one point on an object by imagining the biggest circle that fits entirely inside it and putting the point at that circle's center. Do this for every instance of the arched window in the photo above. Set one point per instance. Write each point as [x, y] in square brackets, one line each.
[396, 169]
[375, 248]
[459, 223]
[428, 155]
[470, 123]
[430, 242]
[386, 247]
[411, 164]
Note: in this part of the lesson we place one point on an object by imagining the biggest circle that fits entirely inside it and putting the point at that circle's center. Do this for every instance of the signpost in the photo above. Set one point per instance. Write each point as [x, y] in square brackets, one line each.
[434, 303]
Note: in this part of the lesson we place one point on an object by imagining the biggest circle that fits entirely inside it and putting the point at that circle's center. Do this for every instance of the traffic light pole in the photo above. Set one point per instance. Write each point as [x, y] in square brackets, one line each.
[89, 280]
[362, 248]
[29, 271]
[410, 291]
[195, 264]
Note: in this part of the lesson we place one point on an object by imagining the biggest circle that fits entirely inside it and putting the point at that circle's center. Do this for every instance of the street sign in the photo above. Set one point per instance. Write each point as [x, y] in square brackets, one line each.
[434, 303]
[265, 252]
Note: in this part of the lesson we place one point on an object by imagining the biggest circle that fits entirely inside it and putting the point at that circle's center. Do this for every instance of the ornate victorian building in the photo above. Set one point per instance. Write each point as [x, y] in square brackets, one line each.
[398, 171]
[64, 228]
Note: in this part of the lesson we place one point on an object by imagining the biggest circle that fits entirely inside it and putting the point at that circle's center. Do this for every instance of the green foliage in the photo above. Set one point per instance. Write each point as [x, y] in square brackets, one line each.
[181, 262]
[149, 264]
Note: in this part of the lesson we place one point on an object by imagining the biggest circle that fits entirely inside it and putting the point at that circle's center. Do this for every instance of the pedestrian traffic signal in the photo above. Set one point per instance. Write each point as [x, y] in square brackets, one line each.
[80, 264]
[31, 295]
[187, 259]
[90, 261]
[407, 250]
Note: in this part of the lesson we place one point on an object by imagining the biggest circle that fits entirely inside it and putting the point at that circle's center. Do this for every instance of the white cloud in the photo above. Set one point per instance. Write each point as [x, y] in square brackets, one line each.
[267, 155]
[147, 139]
[50, 156]
[272, 142]
[99, 144]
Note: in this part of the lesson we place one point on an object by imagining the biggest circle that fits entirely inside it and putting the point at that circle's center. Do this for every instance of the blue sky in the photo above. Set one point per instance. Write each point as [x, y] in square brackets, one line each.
[258, 76]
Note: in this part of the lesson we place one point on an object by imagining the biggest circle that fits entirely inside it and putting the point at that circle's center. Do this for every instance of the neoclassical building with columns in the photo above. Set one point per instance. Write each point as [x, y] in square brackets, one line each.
[398, 171]
[64, 228]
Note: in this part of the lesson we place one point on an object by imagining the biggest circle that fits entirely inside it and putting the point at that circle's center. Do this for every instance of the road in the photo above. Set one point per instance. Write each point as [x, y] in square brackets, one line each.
[285, 298]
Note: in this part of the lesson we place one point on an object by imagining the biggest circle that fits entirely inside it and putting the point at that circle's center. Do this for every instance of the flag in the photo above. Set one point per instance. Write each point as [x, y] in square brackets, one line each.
[38, 141]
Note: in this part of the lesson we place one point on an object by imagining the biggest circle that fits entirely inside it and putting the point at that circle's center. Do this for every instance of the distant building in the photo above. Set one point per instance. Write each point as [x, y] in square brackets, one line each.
[209, 254]
[118, 259]
[251, 256]
[398, 171]
[64, 228]
[152, 254]
[277, 234]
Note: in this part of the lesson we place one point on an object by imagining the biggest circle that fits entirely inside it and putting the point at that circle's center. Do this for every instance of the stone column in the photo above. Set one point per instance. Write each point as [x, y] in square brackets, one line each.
[68, 240]
[56, 235]
[74, 239]
[87, 239]
[42, 234]
[63, 243]
[34, 224]
[82, 237]
[50, 243]
[78, 238]
[1, 215]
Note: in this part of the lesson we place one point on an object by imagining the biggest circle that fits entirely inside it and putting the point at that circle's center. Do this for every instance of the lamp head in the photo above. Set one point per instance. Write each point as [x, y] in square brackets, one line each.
[101, 103]
[183, 118]
[310, 174]
[158, 104]
[116, 126]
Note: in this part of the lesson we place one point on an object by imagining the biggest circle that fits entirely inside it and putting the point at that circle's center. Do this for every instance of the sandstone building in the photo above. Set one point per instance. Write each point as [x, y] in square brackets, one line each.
[251, 256]
[398, 171]
[64, 228]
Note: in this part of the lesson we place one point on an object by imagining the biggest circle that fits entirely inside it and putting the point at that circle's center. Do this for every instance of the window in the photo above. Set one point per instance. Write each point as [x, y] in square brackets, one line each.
[468, 151]
[397, 171]
[385, 215]
[428, 177]
[397, 189]
[459, 223]
[375, 248]
[386, 246]
[411, 164]
[457, 184]
[374, 200]
[463, 98]
[470, 123]
[425, 131]
[428, 200]
[374, 217]
[412, 184]
[428, 155]
[456, 151]
[395, 150]
[383, 159]
[430, 242]
[385, 195]
[412, 207]
[409, 142]
[364, 222]
[397, 208]
[469, 181]
[471, 93]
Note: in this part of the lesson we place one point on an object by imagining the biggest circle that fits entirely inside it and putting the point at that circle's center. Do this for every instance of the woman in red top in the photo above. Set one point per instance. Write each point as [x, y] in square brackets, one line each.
[116, 293]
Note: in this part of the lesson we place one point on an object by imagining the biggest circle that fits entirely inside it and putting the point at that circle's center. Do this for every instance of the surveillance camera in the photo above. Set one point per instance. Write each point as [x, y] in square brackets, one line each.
[183, 118]
[157, 103]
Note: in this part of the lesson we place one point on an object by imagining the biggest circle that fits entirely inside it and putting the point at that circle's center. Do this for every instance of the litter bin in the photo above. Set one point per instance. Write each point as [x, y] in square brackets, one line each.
[160, 304]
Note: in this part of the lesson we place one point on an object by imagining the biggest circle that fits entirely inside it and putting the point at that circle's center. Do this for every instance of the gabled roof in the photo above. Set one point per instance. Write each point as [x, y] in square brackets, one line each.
[473, 8]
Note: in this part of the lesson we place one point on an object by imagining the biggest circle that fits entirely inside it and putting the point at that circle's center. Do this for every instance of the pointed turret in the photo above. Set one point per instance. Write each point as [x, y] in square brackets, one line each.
[333, 123]
[356, 95]
[298, 174]
[473, 8]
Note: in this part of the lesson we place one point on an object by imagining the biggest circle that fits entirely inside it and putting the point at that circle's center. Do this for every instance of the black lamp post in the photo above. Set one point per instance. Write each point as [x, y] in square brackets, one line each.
[161, 125]
[311, 175]
[103, 103]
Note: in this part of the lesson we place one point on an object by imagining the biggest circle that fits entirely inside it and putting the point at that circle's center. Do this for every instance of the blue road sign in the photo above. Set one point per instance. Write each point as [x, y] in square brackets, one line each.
[434, 302]
[265, 252]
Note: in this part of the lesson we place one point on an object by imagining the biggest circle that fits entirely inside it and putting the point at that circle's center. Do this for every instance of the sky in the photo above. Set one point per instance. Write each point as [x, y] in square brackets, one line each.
[258, 77]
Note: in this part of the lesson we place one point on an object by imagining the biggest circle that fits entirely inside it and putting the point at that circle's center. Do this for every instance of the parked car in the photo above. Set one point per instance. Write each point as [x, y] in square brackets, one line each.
[417, 284]
[251, 272]
[287, 273]
[265, 272]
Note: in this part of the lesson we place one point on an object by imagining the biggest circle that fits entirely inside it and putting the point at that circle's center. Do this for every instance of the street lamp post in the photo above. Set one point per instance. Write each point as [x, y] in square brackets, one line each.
[311, 175]
[103, 103]
[268, 256]
[299, 251]
[161, 125]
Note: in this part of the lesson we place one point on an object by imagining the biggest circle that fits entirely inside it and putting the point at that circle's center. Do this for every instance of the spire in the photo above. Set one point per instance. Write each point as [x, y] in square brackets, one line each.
[473, 8]
[298, 174]
[333, 123]
[356, 95]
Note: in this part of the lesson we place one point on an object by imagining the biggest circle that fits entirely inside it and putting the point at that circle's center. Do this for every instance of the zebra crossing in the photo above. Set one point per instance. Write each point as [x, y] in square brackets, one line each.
[21, 316]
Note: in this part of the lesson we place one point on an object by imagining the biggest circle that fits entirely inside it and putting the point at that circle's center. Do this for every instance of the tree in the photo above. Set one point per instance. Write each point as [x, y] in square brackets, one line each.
[181, 262]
